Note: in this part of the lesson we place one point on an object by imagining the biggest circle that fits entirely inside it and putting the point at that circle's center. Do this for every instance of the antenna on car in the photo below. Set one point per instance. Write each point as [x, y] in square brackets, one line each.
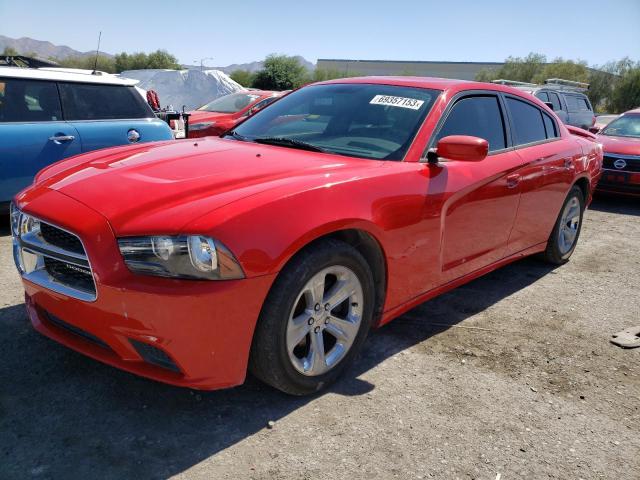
[95, 64]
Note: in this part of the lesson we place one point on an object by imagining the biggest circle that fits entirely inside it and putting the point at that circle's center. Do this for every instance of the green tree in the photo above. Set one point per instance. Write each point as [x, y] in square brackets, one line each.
[323, 74]
[243, 77]
[104, 64]
[9, 51]
[141, 61]
[280, 72]
[561, 68]
[626, 91]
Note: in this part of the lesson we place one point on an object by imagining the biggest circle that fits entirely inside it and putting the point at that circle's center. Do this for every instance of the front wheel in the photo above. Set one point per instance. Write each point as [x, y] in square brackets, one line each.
[315, 319]
[564, 237]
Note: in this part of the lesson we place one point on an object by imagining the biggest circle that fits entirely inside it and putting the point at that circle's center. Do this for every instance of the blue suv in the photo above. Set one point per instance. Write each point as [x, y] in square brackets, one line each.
[47, 115]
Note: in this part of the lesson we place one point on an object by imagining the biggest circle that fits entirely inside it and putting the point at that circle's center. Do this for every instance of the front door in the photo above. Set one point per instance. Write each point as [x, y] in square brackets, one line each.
[477, 218]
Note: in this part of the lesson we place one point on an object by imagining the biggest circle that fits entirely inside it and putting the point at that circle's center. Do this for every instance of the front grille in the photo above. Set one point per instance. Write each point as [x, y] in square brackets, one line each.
[58, 322]
[53, 258]
[154, 355]
[633, 162]
[70, 274]
[61, 239]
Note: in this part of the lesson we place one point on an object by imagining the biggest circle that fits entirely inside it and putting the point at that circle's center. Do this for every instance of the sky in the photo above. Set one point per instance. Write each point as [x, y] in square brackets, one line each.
[239, 31]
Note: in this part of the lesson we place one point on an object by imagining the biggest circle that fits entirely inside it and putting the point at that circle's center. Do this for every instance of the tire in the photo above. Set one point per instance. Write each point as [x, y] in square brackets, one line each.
[564, 237]
[291, 312]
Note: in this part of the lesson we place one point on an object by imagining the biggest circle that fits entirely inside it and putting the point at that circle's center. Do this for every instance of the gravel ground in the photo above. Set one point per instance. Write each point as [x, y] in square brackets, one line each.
[511, 374]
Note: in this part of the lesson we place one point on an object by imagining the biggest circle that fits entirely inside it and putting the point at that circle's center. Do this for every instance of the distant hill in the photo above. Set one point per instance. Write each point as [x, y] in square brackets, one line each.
[26, 45]
[252, 66]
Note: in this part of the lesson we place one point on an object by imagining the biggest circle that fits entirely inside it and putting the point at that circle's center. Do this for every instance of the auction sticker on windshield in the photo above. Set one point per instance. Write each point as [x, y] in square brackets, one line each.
[402, 102]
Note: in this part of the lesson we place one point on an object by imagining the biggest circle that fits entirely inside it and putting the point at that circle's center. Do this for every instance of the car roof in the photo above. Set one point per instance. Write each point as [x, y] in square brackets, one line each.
[66, 75]
[448, 84]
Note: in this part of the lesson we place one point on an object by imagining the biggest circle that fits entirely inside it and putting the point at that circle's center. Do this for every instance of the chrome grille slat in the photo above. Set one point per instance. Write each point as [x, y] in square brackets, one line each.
[53, 266]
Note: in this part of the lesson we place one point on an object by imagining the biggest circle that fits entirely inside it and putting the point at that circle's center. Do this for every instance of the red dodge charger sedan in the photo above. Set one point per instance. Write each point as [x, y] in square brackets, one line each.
[276, 248]
[621, 143]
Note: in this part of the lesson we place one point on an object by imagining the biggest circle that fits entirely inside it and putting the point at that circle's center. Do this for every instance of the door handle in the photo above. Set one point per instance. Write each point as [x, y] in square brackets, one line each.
[513, 180]
[62, 138]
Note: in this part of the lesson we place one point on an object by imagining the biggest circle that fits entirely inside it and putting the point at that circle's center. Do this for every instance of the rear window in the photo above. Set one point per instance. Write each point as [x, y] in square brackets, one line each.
[102, 102]
[29, 101]
[528, 123]
[577, 103]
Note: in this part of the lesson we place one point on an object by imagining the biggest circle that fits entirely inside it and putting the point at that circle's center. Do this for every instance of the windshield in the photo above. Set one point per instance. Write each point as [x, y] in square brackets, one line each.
[231, 103]
[359, 120]
[624, 126]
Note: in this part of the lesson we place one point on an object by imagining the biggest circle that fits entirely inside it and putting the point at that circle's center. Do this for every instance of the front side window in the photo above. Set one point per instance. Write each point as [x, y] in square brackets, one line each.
[624, 126]
[102, 102]
[527, 120]
[360, 120]
[477, 117]
[29, 101]
[231, 103]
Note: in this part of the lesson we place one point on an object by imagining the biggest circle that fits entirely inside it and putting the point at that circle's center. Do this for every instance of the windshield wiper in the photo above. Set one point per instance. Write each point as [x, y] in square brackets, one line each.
[236, 136]
[289, 142]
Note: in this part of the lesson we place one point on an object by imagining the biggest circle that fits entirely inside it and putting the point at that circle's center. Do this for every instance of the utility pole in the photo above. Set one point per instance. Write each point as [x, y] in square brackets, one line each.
[202, 62]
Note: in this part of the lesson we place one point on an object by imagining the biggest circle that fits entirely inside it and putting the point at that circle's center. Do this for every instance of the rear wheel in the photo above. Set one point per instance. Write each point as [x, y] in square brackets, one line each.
[564, 237]
[314, 320]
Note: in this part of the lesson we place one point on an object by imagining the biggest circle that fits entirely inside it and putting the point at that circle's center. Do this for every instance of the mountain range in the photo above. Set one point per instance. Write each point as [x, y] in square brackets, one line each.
[45, 50]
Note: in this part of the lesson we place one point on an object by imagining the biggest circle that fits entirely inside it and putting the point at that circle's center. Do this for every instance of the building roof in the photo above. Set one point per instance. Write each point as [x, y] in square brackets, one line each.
[66, 75]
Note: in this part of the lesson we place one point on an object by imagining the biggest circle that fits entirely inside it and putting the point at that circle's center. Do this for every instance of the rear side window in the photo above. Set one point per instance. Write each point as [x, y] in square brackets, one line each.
[102, 102]
[577, 104]
[478, 117]
[528, 124]
[29, 101]
[550, 126]
[555, 101]
[543, 96]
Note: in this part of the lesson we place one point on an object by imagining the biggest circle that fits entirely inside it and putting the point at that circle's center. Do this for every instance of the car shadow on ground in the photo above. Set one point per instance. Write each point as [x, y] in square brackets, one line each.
[616, 204]
[64, 415]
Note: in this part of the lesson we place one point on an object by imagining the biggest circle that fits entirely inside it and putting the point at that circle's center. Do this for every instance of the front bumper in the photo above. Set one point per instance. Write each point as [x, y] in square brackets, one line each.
[619, 182]
[188, 333]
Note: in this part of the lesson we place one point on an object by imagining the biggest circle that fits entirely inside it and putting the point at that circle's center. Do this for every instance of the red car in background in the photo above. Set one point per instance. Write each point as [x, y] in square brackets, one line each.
[620, 141]
[278, 246]
[223, 113]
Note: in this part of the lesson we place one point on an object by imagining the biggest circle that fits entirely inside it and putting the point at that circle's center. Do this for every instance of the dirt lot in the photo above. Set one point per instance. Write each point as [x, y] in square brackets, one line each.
[523, 383]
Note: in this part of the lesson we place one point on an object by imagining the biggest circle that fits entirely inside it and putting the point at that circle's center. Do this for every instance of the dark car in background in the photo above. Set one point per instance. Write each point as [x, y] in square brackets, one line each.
[620, 141]
[565, 97]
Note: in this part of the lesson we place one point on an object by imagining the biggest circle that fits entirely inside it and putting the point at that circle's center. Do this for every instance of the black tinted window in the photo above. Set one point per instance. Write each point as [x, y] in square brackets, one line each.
[478, 117]
[28, 101]
[553, 98]
[527, 122]
[549, 126]
[102, 102]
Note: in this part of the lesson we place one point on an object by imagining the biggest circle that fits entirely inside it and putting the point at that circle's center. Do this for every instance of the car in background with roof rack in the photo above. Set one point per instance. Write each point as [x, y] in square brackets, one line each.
[49, 113]
[566, 98]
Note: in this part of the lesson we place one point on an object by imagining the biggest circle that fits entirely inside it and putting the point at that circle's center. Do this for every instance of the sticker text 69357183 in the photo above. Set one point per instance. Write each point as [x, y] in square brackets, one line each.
[401, 102]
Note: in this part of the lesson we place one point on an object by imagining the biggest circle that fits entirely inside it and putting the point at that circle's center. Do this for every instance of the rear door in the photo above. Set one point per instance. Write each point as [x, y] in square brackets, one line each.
[546, 172]
[478, 217]
[580, 111]
[33, 134]
[108, 115]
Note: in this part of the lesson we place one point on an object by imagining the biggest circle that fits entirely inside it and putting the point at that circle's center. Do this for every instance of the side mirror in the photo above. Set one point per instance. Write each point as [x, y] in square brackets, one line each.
[460, 147]
[550, 105]
[594, 129]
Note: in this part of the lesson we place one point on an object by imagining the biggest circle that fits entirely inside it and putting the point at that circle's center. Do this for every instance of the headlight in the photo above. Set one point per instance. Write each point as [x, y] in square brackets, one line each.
[200, 126]
[14, 214]
[184, 256]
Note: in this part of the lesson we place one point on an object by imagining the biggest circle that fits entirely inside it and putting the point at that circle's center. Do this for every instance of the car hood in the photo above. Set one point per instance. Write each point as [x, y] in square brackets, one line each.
[161, 188]
[199, 116]
[621, 145]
